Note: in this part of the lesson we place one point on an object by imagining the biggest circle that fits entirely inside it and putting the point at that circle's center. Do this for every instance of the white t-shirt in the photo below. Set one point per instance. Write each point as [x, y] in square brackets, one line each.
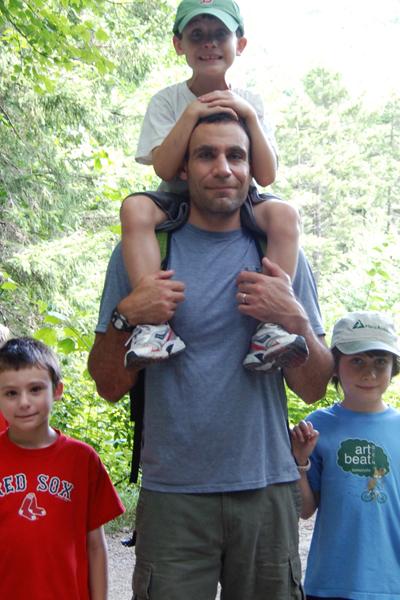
[164, 110]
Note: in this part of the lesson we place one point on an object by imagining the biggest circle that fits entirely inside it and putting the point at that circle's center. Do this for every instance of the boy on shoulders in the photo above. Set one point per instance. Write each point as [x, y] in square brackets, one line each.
[210, 35]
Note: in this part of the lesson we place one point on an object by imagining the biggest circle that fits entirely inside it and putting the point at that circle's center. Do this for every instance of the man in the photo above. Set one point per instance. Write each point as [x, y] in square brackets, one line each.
[219, 494]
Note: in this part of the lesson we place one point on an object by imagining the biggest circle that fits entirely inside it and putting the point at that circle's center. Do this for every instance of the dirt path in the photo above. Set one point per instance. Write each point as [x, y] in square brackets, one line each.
[121, 561]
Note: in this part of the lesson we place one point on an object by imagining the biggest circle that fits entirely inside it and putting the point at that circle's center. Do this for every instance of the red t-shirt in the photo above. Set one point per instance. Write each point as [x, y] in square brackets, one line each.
[50, 498]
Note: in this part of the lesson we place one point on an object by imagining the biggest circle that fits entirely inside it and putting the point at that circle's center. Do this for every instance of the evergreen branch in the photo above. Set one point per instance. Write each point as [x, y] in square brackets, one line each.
[9, 121]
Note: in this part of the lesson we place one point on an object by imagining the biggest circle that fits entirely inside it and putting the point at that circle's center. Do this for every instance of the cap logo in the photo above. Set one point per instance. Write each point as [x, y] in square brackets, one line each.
[359, 325]
[205, 2]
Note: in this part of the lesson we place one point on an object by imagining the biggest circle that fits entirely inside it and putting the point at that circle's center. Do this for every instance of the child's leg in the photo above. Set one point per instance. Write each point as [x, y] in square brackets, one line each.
[140, 215]
[281, 223]
[271, 346]
[141, 252]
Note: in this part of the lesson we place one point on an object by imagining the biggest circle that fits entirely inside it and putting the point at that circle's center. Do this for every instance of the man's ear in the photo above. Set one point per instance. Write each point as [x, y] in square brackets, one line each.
[178, 45]
[58, 391]
[240, 45]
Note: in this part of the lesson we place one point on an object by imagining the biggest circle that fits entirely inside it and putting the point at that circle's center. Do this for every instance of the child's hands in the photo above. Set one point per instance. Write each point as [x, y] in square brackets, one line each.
[229, 101]
[304, 440]
[199, 108]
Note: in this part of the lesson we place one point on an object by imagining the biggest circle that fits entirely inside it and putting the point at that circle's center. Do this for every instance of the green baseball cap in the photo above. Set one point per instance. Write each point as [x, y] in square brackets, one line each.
[226, 11]
[362, 331]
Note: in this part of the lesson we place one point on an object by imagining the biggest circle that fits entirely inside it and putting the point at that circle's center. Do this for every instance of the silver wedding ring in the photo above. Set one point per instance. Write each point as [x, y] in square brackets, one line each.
[244, 296]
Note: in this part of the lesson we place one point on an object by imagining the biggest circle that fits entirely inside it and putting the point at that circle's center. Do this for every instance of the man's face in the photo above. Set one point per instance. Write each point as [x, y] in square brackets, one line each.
[218, 174]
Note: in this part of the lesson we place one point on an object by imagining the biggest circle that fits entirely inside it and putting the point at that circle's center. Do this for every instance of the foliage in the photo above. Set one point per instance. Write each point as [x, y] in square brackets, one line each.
[75, 79]
[68, 73]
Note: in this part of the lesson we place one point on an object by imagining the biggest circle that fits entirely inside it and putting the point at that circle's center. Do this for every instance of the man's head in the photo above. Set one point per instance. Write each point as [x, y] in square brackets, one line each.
[217, 169]
[226, 11]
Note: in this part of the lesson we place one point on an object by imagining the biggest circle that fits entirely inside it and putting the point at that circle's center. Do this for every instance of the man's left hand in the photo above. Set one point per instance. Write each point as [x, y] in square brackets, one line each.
[269, 297]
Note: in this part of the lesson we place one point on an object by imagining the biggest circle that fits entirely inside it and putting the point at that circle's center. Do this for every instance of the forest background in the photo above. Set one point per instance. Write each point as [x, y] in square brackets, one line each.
[75, 79]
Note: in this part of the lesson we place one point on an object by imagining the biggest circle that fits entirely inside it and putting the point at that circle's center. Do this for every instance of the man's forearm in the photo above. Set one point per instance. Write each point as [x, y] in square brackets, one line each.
[106, 365]
[311, 379]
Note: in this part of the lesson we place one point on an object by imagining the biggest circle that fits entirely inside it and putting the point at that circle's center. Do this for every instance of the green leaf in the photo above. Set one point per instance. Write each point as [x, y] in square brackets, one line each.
[46, 335]
[101, 35]
[55, 318]
[66, 346]
[9, 285]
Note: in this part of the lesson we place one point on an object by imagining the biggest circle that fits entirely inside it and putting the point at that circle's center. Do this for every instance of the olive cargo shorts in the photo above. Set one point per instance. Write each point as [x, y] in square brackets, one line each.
[247, 541]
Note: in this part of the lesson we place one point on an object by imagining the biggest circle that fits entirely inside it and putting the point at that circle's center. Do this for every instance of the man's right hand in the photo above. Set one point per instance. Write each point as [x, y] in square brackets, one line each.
[154, 300]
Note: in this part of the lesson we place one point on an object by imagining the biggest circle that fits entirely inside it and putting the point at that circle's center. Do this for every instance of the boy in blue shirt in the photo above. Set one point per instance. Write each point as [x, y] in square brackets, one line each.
[352, 477]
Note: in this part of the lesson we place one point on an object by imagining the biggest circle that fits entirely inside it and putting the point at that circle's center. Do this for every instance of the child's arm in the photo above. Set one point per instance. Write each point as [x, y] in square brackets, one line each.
[97, 557]
[263, 157]
[169, 155]
[304, 439]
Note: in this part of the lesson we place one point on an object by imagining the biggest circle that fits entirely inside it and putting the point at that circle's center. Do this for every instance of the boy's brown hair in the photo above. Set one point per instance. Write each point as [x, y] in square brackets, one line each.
[26, 352]
[337, 356]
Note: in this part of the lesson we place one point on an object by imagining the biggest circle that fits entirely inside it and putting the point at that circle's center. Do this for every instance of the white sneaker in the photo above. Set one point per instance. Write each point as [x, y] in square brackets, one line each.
[152, 343]
[273, 348]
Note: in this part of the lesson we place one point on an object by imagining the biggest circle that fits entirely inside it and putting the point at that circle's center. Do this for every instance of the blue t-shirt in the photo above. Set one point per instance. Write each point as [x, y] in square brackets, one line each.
[209, 424]
[355, 548]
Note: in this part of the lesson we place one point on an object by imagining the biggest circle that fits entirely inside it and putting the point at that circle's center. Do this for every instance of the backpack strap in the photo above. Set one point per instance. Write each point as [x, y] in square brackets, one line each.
[164, 241]
[261, 244]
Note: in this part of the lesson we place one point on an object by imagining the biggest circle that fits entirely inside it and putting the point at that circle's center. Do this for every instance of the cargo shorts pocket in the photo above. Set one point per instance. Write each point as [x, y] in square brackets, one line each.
[297, 592]
[280, 581]
[141, 581]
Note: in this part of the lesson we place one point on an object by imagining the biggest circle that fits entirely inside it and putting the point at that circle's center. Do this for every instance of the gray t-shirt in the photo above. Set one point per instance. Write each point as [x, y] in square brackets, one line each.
[209, 424]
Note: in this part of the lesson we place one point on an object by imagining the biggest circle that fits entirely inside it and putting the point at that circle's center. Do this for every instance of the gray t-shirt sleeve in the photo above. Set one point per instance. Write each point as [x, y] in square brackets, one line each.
[116, 287]
[305, 289]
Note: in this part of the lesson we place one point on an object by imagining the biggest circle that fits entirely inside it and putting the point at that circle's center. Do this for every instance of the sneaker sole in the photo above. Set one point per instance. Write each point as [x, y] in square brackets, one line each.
[138, 361]
[291, 356]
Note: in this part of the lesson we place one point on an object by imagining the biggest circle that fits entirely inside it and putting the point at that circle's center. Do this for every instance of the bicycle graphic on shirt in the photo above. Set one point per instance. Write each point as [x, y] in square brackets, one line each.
[374, 488]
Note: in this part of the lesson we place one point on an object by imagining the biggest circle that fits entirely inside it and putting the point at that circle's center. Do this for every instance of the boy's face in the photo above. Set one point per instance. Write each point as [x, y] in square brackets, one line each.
[208, 45]
[26, 399]
[364, 378]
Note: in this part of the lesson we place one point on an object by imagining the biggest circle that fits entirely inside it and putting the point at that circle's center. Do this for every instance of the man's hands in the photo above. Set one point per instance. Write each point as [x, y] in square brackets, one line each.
[154, 300]
[269, 298]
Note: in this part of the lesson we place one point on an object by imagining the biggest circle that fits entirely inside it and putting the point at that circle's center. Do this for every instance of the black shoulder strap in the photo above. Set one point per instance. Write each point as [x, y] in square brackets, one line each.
[136, 396]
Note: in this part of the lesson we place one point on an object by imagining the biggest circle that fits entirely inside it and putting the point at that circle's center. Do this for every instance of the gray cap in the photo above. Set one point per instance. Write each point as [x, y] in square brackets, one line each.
[364, 331]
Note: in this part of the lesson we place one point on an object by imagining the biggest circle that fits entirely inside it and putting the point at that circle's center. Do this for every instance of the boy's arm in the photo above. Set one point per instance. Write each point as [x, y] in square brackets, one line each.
[263, 157]
[304, 439]
[98, 568]
[168, 157]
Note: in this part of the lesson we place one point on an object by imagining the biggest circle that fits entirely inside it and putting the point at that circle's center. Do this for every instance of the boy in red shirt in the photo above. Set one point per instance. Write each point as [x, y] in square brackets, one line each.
[55, 494]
